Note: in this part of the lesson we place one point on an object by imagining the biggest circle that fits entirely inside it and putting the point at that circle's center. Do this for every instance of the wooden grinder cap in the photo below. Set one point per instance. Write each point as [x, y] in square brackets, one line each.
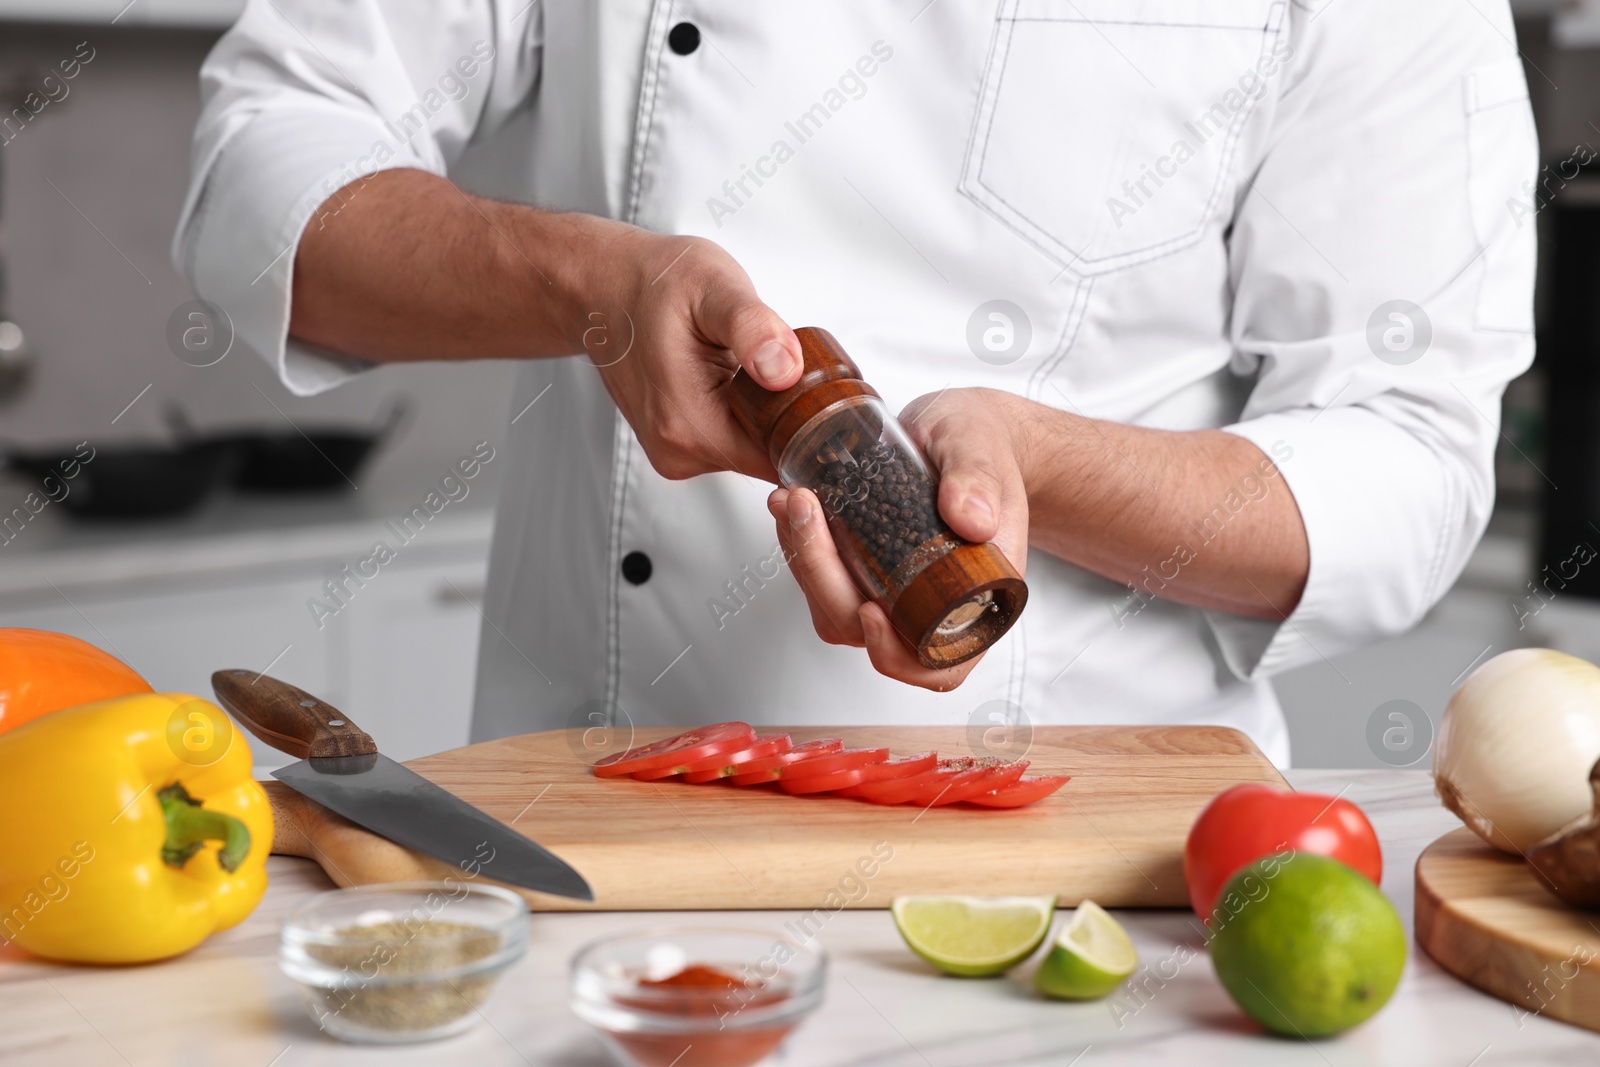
[771, 417]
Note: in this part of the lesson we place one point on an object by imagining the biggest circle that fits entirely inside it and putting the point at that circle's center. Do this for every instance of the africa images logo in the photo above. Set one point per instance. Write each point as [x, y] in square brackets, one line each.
[1399, 332]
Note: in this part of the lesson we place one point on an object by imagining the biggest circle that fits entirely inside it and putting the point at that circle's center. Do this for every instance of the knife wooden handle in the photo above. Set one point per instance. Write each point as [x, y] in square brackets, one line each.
[349, 854]
[288, 718]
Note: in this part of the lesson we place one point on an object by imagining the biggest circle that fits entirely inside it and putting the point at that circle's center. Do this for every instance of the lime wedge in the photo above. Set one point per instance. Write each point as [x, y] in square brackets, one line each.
[974, 937]
[1092, 955]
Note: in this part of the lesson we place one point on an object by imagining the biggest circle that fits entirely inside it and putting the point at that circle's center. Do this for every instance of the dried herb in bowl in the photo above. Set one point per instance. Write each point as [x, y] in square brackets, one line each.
[399, 973]
[402, 961]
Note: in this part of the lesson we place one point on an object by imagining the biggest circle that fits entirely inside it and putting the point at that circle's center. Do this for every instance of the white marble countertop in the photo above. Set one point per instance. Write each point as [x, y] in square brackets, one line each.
[227, 1003]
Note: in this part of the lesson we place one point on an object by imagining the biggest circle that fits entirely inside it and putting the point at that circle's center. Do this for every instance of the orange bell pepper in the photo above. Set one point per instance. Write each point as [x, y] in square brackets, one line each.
[41, 672]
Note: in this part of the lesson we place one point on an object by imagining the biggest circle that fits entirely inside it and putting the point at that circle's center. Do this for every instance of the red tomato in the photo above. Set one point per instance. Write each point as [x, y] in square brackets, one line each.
[722, 763]
[1021, 792]
[904, 767]
[844, 781]
[1247, 822]
[846, 759]
[817, 784]
[765, 746]
[766, 770]
[973, 783]
[900, 790]
[685, 747]
[923, 787]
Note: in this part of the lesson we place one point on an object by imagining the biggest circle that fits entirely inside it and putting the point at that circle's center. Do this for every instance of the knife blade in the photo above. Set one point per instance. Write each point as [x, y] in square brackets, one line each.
[342, 769]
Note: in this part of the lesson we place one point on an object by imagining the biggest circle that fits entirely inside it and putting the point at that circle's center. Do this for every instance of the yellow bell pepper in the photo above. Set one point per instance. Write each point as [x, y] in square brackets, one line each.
[130, 829]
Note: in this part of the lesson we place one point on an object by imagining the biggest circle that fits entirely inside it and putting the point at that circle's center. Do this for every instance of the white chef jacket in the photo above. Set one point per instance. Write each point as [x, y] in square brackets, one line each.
[1203, 209]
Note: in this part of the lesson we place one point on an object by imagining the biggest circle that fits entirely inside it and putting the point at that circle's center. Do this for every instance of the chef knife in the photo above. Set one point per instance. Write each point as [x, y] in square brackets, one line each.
[342, 769]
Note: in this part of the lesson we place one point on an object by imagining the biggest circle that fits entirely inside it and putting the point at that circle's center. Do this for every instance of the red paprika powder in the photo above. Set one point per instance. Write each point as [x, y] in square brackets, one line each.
[703, 991]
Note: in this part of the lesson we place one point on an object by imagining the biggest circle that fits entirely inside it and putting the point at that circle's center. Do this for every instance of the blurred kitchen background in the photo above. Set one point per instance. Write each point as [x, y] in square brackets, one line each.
[90, 187]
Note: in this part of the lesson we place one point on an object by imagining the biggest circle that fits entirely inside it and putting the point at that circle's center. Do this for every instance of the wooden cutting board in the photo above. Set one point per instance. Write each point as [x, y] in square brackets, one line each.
[1114, 833]
[1484, 917]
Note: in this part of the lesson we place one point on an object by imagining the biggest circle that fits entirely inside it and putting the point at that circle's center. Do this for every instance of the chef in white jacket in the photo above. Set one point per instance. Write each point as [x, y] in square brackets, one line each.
[1203, 307]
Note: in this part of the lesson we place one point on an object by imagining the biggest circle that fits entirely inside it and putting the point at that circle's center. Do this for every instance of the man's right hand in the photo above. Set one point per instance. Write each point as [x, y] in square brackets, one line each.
[693, 319]
[402, 265]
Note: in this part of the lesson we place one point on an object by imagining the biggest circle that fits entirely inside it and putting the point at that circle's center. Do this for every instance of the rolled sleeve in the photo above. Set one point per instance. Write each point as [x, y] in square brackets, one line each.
[303, 100]
[247, 225]
[1378, 506]
[1383, 289]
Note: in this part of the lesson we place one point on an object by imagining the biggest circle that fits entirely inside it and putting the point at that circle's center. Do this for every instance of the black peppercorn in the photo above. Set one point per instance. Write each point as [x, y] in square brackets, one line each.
[949, 599]
[881, 502]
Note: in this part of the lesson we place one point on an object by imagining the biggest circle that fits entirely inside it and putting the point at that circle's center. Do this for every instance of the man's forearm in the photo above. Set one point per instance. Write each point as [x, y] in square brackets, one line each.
[405, 266]
[1201, 517]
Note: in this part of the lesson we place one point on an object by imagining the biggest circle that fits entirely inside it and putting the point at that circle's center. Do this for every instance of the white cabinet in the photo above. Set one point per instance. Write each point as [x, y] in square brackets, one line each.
[410, 652]
[398, 656]
[177, 635]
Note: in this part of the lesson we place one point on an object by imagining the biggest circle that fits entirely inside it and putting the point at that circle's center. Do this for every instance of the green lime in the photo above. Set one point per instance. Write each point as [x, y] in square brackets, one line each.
[1305, 945]
[973, 937]
[1092, 955]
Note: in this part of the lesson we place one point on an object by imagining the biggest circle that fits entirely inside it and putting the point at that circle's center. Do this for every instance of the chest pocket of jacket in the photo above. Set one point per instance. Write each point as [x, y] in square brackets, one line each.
[1106, 128]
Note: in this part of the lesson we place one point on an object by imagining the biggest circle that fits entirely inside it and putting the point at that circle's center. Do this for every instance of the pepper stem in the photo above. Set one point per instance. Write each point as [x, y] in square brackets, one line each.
[189, 826]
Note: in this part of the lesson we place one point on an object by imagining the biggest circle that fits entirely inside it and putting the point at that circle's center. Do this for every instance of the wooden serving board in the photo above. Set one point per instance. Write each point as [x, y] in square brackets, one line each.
[1484, 917]
[1114, 833]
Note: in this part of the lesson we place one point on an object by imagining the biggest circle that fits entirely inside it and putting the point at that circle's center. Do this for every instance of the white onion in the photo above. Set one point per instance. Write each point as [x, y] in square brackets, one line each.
[1516, 745]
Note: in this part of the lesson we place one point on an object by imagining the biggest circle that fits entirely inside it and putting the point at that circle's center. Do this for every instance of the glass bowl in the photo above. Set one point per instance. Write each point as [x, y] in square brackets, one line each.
[407, 961]
[759, 986]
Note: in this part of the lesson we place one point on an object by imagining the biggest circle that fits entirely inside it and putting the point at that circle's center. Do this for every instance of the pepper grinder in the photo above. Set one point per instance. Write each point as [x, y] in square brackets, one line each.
[830, 432]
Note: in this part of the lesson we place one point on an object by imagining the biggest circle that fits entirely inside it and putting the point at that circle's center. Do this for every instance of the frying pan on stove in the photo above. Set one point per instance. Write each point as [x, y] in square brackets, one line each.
[123, 481]
[308, 458]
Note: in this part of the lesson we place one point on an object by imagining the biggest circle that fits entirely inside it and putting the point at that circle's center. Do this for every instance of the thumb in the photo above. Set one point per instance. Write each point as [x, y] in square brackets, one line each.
[969, 457]
[970, 496]
[733, 317]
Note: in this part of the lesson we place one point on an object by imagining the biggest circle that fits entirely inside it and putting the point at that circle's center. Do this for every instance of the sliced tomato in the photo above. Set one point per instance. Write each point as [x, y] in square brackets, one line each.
[901, 790]
[948, 775]
[904, 767]
[818, 784]
[709, 770]
[697, 744]
[846, 759]
[1021, 792]
[757, 771]
[984, 780]
[760, 746]
[894, 769]
[845, 780]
